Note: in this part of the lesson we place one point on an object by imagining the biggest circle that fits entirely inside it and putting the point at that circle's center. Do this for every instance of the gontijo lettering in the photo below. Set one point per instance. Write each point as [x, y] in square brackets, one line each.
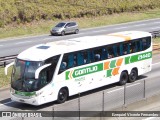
[86, 70]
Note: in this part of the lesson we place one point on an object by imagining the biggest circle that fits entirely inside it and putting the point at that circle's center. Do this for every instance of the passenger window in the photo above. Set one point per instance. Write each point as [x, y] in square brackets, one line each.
[110, 52]
[97, 54]
[68, 61]
[126, 48]
[146, 43]
[80, 58]
[104, 54]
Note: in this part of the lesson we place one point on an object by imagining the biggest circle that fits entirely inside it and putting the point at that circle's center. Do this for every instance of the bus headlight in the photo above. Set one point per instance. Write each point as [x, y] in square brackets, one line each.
[12, 91]
[39, 93]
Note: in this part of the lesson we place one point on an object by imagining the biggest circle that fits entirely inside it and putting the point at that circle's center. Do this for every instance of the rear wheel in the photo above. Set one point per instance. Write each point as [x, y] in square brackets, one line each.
[62, 33]
[76, 31]
[62, 95]
[133, 75]
[123, 78]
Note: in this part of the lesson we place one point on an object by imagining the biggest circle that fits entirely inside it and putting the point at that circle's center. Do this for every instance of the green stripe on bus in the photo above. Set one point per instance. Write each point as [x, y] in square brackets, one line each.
[67, 75]
[139, 57]
[127, 60]
[109, 72]
[25, 93]
[87, 70]
[113, 64]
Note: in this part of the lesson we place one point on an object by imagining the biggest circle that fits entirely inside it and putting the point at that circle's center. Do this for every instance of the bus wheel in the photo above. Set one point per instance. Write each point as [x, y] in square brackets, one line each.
[123, 78]
[133, 75]
[62, 95]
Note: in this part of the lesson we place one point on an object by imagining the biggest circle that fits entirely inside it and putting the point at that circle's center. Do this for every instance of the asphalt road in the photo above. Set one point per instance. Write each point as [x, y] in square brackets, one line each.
[14, 46]
[11, 46]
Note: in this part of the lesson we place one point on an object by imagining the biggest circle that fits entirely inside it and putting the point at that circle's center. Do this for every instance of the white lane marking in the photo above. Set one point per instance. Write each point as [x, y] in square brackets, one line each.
[6, 103]
[133, 85]
[118, 28]
[98, 31]
[23, 42]
[115, 90]
[139, 25]
[155, 28]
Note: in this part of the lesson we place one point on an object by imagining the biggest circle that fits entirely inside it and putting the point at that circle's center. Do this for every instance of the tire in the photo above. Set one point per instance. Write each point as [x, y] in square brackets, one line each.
[123, 78]
[133, 75]
[76, 31]
[62, 33]
[62, 95]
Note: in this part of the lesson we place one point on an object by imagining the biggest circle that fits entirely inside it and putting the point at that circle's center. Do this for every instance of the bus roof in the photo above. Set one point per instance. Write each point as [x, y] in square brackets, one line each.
[43, 51]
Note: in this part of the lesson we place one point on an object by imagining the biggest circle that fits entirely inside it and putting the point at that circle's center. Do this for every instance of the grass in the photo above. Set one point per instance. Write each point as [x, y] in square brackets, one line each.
[43, 27]
[5, 80]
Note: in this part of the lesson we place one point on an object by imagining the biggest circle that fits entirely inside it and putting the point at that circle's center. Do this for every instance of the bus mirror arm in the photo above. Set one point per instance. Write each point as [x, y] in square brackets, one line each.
[40, 69]
[7, 66]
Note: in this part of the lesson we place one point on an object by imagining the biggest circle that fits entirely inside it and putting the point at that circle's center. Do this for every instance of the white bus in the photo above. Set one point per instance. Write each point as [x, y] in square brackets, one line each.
[57, 70]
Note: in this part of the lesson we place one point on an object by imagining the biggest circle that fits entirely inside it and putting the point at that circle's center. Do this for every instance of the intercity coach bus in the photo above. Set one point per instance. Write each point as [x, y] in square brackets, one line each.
[57, 70]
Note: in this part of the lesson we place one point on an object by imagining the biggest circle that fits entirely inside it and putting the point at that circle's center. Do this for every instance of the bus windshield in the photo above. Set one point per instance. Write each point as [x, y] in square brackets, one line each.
[23, 76]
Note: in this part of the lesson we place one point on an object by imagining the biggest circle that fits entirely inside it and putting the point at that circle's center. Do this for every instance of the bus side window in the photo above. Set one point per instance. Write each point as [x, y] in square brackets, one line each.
[118, 52]
[104, 54]
[138, 45]
[126, 48]
[90, 56]
[80, 58]
[141, 45]
[71, 60]
[110, 52]
[86, 57]
[133, 47]
[115, 50]
[146, 43]
[97, 54]
[121, 49]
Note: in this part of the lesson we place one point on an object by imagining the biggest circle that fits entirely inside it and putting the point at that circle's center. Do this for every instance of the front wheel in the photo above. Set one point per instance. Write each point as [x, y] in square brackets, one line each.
[62, 95]
[123, 78]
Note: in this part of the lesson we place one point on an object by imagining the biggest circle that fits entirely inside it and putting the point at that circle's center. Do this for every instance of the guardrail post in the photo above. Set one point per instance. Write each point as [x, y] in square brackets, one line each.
[144, 93]
[103, 105]
[125, 95]
[53, 112]
[4, 64]
[79, 105]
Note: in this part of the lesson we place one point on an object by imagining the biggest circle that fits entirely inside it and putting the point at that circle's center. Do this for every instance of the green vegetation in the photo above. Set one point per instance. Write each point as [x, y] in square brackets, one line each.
[29, 10]
[156, 41]
[22, 17]
[4, 80]
[43, 26]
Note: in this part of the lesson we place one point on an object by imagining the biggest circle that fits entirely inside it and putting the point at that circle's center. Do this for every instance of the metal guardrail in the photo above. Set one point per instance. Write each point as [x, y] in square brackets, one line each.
[7, 59]
[155, 34]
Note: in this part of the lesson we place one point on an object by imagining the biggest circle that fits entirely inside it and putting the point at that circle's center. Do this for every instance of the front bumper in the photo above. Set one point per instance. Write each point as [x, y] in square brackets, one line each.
[22, 99]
